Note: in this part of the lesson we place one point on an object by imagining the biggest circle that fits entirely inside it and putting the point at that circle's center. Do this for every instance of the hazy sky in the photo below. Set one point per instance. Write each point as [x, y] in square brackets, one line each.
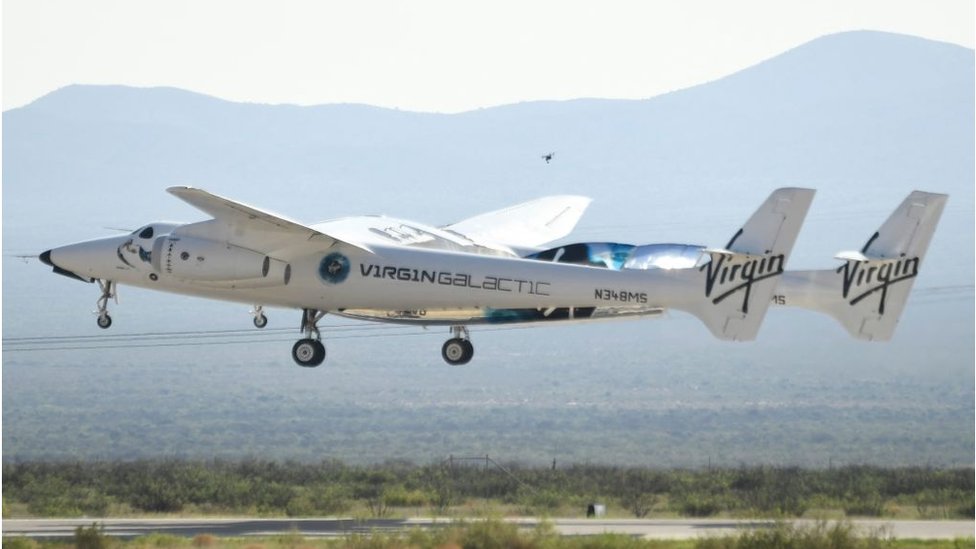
[428, 55]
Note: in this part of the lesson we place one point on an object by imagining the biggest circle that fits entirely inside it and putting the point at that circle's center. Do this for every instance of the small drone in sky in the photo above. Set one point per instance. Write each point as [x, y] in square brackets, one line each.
[548, 156]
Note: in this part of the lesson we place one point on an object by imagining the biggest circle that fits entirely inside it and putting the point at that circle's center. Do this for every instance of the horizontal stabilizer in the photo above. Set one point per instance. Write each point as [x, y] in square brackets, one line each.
[724, 252]
[853, 256]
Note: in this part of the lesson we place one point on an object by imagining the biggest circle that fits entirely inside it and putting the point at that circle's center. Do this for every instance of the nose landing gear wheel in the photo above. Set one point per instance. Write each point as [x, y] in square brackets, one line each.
[108, 292]
[260, 320]
[308, 352]
[457, 351]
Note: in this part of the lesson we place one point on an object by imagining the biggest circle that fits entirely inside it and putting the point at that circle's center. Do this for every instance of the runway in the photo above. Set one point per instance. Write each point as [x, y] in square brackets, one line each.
[337, 527]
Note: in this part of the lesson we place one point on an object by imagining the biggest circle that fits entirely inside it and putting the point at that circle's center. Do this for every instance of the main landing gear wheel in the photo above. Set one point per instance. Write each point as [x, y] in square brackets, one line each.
[308, 352]
[458, 350]
[104, 321]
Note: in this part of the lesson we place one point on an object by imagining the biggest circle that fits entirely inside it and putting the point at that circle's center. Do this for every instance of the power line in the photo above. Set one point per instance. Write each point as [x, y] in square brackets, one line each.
[192, 334]
[151, 340]
[932, 294]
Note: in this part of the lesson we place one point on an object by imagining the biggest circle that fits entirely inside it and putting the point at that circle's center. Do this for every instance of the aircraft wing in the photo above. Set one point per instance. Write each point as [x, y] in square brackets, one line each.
[250, 227]
[526, 225]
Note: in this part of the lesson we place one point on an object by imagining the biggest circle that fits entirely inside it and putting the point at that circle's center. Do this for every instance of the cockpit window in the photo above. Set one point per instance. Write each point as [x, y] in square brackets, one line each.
[146, 233]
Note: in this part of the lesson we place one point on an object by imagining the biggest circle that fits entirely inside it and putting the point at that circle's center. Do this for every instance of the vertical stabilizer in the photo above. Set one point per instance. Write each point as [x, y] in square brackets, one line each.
[867, 293]
[738, 281]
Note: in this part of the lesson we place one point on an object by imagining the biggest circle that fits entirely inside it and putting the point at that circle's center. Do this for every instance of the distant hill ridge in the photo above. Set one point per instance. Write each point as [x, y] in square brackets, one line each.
[859, 110]
[862, 54]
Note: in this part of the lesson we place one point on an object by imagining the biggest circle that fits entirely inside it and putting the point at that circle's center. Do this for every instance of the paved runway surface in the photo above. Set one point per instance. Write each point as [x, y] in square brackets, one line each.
[652, 528]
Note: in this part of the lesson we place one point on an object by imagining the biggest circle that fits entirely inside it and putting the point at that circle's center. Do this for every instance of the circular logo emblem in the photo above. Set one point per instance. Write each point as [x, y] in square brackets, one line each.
[334, 268]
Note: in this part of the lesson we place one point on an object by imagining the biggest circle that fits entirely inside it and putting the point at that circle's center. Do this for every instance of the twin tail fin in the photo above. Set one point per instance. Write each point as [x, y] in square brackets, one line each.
[868, 291]
[737, 282]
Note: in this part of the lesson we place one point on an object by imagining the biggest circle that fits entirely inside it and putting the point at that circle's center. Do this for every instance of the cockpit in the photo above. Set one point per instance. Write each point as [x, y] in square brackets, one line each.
[147, 232]
[136, 252]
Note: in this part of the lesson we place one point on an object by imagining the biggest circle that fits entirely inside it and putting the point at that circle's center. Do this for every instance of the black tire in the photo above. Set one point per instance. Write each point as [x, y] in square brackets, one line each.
[104, 321]
[319, 352]
[308, 353]
[260, 321]
[457, 351]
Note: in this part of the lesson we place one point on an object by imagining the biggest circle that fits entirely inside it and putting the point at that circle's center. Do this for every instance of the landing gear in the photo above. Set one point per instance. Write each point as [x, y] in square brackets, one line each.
[104, 321]
[458, 350]
[108, 292]
[309, 351]
[260, 321]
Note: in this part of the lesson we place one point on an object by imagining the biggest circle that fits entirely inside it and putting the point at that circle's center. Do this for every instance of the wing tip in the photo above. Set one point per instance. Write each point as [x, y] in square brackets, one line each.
[178, 190]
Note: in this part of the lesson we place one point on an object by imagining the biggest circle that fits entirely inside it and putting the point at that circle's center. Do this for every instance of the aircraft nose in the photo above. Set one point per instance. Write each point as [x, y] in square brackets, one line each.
[83, 261]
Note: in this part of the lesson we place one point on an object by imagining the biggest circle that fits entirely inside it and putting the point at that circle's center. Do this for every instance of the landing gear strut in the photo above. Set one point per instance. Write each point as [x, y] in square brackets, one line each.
[108, 292]
[458, 350]
[309, 351]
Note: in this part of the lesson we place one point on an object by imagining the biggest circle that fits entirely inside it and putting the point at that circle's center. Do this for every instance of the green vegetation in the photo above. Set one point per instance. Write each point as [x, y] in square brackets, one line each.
[676, 399]
[490, 534]
[92, 537]
[268, 488]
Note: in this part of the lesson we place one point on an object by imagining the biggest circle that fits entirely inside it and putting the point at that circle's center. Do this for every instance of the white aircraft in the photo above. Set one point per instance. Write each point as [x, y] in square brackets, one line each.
[492, 268]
